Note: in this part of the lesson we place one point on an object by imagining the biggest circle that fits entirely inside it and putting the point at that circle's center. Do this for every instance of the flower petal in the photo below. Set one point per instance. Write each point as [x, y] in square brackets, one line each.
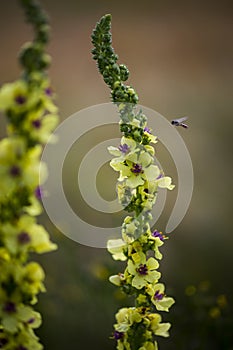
[166, 182]
[152, 264]
[139, 282]
[151, 173]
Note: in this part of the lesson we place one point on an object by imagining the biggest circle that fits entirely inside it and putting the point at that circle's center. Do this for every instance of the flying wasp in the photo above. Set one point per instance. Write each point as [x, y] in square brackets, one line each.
[180, 122]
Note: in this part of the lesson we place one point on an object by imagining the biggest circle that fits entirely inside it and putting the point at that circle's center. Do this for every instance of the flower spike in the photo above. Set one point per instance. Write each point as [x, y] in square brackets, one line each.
[137, 327]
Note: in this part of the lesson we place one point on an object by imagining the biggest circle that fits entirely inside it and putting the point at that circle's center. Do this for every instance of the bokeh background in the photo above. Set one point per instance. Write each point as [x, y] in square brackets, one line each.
[180, 56]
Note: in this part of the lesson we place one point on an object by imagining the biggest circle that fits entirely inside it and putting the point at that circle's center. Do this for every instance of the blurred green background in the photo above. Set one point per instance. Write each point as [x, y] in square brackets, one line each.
[180, 56]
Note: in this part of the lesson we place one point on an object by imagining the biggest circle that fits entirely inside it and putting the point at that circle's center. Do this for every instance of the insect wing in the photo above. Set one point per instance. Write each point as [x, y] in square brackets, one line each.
[180, 120]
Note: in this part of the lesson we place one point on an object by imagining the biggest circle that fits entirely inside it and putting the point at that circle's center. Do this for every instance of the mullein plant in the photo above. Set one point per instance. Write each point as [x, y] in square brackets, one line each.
[137, 327]
[31, 115]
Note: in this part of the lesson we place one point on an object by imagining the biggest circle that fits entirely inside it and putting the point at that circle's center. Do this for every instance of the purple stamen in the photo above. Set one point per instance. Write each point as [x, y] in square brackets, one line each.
[146, 129]
[158, 295]
[137, 169]
[36, 123]
[48, 91]
[118, 335]
[142, 270]
[20, 100]
[9, 307]
[159, 177]
[124, 148]
[23, 237]
[158, 234]
[31, 320]
[38, 192]
[15, 171]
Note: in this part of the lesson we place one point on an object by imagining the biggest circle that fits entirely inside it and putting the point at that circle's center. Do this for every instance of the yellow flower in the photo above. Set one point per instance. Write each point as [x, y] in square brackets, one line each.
[117, 279]
[158, 297]
[32, 281]
[165, 182]
[11, 155]
[117, 247]
[13, 315]
[19, 167]
[157, 327]
[136, 168]
[126, 317]
[126, 147]
[151, 137]
[16, 97]
[26, 235]
[143, 270]
[37, 126]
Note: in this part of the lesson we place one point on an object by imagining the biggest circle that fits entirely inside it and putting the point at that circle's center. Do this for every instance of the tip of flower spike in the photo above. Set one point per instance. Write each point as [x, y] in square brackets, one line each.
[106, 18]
[104, 23]
[102, 27]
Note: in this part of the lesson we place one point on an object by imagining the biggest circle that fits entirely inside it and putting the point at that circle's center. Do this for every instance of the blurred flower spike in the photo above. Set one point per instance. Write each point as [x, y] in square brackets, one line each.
[32, 116]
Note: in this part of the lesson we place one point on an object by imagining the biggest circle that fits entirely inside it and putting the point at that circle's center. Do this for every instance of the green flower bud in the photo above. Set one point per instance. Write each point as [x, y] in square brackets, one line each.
[124, 72]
